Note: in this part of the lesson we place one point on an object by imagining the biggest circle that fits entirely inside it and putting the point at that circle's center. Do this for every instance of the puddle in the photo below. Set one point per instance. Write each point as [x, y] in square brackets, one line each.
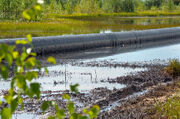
[61, 76]
[88, 77]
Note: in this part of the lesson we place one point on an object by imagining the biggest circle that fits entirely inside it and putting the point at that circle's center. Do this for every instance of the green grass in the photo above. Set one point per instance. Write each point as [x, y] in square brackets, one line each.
[122, 14]
[83, 24]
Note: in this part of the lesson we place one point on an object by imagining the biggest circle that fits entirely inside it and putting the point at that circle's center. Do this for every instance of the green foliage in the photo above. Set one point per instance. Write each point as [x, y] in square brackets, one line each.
[51, 60]
[128, 6]
[12, 9]
[168, 5]
[71, 110]
[74, 88]
[22, 62]
[173, 68]
[151, 3]
[112, 5]
[170, 109]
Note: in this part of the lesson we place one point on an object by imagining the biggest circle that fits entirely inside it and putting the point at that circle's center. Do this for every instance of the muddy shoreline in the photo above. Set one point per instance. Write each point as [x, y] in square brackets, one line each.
[114, 103]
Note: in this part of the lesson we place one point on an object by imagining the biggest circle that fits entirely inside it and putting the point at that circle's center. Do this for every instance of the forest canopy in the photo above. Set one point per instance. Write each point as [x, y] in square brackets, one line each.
[12, 9]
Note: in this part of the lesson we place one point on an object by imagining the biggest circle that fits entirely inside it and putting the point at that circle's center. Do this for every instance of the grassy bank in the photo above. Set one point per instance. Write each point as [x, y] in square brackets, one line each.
[18, 30]
[56, 24]
[122, 14]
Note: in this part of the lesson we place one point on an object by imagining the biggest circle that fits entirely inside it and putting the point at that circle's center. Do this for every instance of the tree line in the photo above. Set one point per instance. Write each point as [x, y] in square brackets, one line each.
[12, 9]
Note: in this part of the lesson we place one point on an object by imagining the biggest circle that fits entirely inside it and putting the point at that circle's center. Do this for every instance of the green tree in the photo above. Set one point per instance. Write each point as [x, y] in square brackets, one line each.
[111, 6]
[128, 5]
[151, 3]
[168, 5]
[12, 9]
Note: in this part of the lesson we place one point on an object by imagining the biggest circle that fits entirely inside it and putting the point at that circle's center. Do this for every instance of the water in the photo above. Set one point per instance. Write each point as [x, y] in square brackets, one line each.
[85, 26]
[25, 116]
[158, 53]
[61, 76]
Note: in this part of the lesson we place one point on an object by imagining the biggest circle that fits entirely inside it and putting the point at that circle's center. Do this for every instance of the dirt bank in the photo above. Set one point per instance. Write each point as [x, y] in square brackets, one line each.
[143, 107]
[136, 100]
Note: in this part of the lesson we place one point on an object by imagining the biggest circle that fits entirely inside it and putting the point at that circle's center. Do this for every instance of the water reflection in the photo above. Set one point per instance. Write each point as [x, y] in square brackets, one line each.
[61, 76]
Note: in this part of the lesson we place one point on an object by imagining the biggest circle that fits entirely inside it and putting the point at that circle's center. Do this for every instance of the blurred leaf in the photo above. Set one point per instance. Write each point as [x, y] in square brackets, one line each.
[33, 54]
[74, 116]
[22, 42]
[66, 96]
[71, 108]
[11, 49]
[60, 113]
[29, 37]
[74, 88]
[45, 106]
[6, 113]
[15, 54]
[51, 60]
[83, 117]
[37, 7]
[20, 100]
[2, 54]
[35, 89]
[46, 70]
[9, 58]
[51, 117]
[85, 111]
[9, 97]
[4, 71]
[26, 15]
[94, 111]
[14, 104]
[31, 62]
[31, 75]
[20, 80]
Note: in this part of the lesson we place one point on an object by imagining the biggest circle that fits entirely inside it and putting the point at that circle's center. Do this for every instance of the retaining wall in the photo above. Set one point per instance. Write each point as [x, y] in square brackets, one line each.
[87, 41]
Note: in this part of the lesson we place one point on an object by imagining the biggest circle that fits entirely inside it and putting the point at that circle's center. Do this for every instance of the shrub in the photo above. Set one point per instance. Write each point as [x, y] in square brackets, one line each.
[22, 62]
[173, 68]
[170, 109]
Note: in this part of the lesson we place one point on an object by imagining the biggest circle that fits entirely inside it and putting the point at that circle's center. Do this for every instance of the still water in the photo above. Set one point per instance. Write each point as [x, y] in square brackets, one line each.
[85, 26]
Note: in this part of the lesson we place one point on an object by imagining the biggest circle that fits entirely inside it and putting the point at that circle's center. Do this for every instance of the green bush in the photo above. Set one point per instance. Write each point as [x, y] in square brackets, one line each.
[12, 9]
[21, 62]
[128, 6]
[151, 3]
[169, 109]
[173, 68]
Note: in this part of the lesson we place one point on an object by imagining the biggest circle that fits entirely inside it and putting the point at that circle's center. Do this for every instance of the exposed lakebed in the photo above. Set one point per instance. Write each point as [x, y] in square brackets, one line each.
[102, 79]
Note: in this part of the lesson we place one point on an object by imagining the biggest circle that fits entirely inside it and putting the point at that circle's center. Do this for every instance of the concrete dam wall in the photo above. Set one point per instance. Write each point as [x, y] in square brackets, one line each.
[87, 41]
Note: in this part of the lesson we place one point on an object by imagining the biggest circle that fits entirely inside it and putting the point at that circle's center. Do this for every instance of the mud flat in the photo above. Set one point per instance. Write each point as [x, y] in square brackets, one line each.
[119, 83]
[115, 103]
